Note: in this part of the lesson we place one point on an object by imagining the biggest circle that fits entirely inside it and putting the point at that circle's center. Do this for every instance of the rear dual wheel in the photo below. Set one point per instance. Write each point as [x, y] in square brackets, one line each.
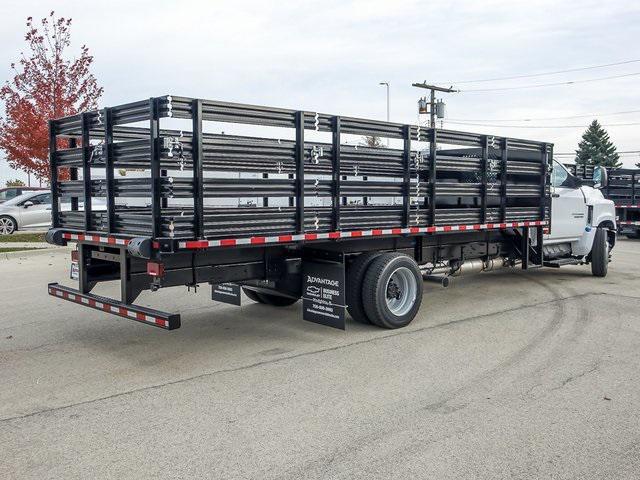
[384, 289]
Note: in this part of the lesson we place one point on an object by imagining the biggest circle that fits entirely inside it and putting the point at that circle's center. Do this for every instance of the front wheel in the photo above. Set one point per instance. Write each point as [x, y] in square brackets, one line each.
[392, 290]
[7, 225]
[600, 253]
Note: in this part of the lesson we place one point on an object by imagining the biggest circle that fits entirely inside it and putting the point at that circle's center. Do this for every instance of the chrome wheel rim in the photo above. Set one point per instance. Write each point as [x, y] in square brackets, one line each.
[6, 226]
[402, 291]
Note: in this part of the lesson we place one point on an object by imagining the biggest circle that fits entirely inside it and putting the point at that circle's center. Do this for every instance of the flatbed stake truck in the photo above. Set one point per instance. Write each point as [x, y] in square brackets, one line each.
[297, 210]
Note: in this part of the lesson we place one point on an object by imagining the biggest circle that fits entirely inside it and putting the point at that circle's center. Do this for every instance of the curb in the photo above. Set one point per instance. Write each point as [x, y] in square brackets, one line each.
[30, 253]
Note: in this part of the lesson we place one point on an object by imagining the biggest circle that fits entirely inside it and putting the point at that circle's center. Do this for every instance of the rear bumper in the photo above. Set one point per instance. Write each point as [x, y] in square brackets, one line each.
[148, 316]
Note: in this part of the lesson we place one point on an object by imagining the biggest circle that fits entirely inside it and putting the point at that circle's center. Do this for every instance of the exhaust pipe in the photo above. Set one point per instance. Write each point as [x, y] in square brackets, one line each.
[443, 274]
[443, 280]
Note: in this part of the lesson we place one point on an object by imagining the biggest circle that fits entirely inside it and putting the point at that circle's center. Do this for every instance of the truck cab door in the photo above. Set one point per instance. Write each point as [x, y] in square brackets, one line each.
[568, 206]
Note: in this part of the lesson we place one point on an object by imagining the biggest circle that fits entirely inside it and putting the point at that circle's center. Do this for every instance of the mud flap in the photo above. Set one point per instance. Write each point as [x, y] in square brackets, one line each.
[226, 293]
[323, 293]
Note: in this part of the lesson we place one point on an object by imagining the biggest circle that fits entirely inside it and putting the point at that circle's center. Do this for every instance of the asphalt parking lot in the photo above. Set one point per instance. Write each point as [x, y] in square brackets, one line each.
[503, 375]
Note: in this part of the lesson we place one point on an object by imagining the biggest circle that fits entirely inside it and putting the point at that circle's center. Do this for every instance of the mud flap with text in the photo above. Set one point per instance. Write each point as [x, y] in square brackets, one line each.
[323, 293]
[226, 293]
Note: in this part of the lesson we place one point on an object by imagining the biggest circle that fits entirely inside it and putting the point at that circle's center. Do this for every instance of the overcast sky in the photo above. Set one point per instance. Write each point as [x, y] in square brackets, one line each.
[330, 56]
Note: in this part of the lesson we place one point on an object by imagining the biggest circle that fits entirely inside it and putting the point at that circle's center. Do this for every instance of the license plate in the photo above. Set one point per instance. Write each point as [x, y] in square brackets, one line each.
[75, 271]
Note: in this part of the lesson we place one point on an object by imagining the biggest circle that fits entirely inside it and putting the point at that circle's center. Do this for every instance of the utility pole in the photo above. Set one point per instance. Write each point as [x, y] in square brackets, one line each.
[387, 85]
[432, 103]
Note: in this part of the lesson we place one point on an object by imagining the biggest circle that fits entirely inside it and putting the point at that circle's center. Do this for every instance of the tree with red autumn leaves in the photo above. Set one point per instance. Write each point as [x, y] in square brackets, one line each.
[46, 85]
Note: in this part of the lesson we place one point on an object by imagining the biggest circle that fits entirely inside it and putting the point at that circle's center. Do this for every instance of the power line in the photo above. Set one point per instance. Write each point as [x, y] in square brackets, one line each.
[619, 153]
[586, 115]
[554, 84]
[539, 126]
[546, 73]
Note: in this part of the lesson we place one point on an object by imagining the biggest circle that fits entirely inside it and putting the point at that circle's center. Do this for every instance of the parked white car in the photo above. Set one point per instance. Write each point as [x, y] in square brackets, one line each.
[32, 210]
[29, 210]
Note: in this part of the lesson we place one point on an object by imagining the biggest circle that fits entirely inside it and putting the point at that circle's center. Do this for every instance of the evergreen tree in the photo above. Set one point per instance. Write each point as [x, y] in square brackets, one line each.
[372, 141]
[596, 148]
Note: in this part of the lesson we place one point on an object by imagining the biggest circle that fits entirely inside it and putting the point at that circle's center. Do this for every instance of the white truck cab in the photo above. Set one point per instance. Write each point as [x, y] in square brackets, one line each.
[578, 212]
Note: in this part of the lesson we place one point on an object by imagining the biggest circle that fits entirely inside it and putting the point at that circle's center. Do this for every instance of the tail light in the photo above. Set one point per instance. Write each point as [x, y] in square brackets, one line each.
[155, 269]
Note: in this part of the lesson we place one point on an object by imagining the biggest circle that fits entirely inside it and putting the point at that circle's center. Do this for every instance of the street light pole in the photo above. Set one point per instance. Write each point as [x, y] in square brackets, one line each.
[387, 85]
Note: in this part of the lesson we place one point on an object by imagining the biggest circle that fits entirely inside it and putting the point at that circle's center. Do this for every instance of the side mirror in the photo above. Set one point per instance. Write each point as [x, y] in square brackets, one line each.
[28, 204]
[600, 177]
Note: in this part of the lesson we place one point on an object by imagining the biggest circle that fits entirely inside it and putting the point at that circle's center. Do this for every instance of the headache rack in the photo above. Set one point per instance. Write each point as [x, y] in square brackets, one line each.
[283, 175]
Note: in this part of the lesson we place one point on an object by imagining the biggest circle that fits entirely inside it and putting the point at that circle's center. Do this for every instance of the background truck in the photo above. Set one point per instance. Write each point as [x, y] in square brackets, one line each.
[287, 204]
[623, 188]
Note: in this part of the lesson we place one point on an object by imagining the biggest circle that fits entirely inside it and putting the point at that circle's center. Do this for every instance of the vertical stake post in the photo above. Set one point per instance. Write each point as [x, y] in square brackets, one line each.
[485, 167]
[406, 178]
[433, 176]
[335, 174]
[198, 170]
[547, 150]
[55, 222]
[109, 173]
[503, 180]
[299, 122]
[156, 199]
[86, 171]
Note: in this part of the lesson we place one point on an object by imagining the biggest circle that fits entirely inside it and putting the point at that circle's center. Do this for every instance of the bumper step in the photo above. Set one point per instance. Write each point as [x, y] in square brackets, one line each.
[132, 312]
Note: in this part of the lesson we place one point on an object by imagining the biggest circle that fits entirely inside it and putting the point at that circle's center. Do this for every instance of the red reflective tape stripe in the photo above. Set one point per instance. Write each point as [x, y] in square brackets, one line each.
[503, 225]
[256, 240]
[376, 232]
[334, 234]
[446, 228]
[161, 322]
[285, 238]
[92, 302]
[357, 233]
[431, 229]
[476, 227]
[414, 229]
[228, 242]
[396, 231]
[141, 316]
[310, 236]
[111, 240]
[462, 227]
[197, 244]
[123, 311]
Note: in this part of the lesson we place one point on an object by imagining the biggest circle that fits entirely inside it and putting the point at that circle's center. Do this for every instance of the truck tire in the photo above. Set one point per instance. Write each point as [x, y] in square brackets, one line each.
[252, 295]
[355, 278]
[392, 290]
[600, 253]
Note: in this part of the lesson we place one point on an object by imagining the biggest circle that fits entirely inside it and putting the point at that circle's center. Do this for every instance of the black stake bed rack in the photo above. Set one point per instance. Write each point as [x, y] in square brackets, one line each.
[485, 179]
[276, 184]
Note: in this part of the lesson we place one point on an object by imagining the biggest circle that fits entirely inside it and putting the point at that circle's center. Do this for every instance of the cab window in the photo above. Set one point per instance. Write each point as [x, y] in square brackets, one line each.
[559, 176]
